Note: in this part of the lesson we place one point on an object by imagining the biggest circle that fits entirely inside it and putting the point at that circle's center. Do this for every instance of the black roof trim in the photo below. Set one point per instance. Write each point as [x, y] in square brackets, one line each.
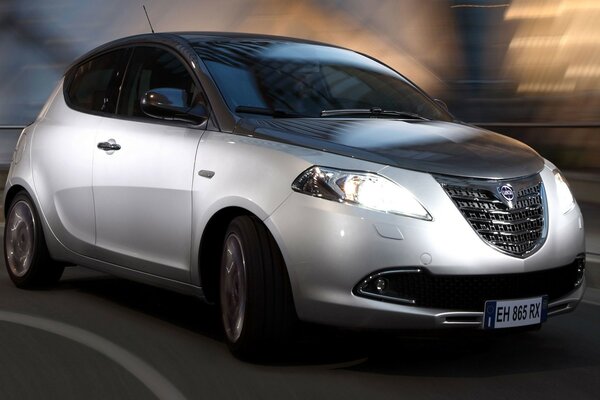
[184, 38]
[245, 36]
[168, 39]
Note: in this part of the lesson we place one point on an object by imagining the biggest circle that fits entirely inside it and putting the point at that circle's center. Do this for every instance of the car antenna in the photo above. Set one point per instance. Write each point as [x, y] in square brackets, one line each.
[148, 18]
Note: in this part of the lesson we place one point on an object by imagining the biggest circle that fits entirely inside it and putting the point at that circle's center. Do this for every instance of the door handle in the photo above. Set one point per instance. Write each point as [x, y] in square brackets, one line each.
[108, 146]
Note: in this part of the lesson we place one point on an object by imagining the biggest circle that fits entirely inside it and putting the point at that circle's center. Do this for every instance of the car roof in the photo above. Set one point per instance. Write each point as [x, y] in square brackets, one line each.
[187, 39]
[240, 36]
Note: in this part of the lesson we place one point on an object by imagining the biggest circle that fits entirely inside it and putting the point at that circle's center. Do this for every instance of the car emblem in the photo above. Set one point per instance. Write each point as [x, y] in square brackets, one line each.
[507, 195]
[507, 192]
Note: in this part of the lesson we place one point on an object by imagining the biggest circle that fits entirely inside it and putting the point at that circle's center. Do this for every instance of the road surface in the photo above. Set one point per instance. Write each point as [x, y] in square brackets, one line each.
[98, 337]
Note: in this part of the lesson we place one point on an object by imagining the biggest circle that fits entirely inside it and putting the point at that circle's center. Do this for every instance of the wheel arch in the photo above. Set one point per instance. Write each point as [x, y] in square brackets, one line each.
[42, 271]
[209, 254]
[10, 195]
[211, 242]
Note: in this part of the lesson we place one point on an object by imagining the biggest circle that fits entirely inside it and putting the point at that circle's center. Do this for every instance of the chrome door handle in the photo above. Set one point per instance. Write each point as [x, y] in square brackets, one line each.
[107, 146]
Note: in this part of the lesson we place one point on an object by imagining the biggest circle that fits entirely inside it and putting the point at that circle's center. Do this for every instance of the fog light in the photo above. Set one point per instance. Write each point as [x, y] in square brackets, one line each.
[381, 284]
[396, 286]
[580, 272]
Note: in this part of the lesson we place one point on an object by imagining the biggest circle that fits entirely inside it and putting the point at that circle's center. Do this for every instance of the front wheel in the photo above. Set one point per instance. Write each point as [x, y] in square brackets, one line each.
[25, 253]
[257, 309]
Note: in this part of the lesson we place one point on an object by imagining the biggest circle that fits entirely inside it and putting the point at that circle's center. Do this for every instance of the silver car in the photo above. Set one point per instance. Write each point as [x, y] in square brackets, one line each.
[288, 180]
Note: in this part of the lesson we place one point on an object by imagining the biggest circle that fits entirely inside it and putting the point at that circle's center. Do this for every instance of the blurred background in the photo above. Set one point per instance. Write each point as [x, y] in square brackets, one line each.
[526, 68]
[529, 69]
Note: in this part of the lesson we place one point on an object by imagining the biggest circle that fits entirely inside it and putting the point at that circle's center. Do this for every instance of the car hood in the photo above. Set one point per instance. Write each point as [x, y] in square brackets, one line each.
[430, 146]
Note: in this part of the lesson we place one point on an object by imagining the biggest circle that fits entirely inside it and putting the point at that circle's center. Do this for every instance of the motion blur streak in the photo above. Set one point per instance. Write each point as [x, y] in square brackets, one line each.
[555, 47]
[480, 5]
[154, 381]
[42, 34]
[518, 61]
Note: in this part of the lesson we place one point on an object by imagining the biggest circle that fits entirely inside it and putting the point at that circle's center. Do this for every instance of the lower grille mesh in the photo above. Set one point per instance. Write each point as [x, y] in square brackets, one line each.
[470, 292]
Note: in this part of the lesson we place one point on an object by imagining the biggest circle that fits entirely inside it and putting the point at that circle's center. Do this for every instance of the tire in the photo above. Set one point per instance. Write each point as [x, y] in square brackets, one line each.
[25, 253]
[257, 309]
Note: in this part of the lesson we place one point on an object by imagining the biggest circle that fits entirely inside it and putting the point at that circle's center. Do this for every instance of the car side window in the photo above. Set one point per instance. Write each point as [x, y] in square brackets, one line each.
[153, 68]
[93, 86]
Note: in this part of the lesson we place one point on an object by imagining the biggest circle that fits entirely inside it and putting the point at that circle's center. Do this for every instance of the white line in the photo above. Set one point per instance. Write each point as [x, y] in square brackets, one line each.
[151, 378]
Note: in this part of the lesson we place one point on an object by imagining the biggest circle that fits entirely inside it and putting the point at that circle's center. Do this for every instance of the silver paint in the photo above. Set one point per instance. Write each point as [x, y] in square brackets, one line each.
[141, 212]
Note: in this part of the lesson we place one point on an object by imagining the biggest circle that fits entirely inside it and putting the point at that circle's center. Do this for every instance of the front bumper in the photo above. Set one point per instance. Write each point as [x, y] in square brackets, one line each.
[329, 248]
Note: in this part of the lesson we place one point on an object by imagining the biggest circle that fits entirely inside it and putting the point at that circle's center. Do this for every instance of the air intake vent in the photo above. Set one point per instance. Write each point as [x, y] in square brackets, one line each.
[508, 215]
[421, 288]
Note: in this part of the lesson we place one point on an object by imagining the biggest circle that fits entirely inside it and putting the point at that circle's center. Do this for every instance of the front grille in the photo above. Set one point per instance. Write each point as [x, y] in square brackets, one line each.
[421, 288]
[514, 227]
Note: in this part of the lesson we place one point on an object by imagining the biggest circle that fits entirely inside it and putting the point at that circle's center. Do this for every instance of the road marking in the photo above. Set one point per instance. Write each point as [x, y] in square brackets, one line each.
[151, 378]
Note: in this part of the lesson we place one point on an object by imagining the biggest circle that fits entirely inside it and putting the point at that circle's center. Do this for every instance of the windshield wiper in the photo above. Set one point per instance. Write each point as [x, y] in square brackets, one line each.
[268, 111]
[374, 112]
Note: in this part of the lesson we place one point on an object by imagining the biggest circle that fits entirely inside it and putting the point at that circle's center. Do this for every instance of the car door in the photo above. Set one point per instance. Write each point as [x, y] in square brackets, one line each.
[64, 143]
[143, 173]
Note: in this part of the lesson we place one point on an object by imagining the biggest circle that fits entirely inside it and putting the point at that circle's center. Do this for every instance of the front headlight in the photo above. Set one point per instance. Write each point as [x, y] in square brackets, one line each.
[566, 202]
[362, 189]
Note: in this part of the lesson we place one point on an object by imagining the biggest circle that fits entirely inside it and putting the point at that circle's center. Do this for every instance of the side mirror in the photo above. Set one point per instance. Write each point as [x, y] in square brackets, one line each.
[171, 104]
[442, 104]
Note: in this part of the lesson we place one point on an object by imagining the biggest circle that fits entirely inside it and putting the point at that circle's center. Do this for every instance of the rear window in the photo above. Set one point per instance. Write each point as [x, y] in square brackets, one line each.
[93, 85]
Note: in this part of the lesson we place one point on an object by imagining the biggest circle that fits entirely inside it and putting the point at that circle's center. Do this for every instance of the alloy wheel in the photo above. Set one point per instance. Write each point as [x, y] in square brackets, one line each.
[20, 238]
[233, 287]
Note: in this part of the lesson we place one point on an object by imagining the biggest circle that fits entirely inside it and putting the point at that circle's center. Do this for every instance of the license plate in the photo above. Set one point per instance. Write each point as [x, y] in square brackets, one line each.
[512, 313]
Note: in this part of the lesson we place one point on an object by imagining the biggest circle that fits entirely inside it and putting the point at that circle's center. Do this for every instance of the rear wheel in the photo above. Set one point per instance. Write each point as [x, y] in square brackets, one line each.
[257, 309]
[25, 253]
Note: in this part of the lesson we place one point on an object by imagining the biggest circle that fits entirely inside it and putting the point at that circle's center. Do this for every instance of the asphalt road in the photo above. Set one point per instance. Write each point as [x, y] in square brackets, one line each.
[98, 337]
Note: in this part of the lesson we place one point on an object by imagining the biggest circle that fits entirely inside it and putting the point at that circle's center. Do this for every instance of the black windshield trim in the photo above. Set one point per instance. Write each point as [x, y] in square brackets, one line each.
[374, 112]
[267, 111]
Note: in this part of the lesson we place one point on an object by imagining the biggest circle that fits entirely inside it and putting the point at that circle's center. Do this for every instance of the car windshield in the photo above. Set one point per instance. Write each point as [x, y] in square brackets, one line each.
[272, 78]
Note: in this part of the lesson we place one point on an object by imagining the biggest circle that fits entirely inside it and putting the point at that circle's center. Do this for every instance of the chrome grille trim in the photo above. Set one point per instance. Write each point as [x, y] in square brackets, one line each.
[518, 227]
